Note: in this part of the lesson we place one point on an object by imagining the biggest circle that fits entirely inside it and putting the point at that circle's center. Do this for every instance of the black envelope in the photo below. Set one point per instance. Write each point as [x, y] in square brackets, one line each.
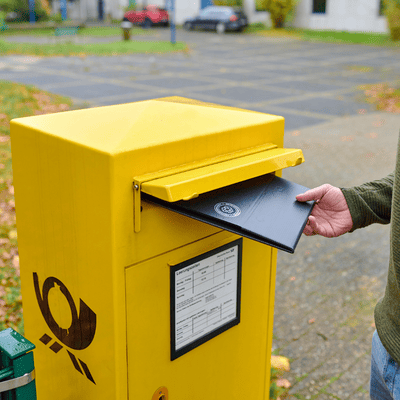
[263, 209]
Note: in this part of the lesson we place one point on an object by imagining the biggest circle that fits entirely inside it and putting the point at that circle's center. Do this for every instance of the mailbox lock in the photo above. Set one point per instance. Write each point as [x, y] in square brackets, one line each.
[160, 394]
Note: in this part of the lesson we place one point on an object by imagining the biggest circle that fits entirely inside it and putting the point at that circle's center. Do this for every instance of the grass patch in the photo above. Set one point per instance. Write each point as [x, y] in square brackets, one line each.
[271, 32]
[301, 378]
[15, 101]
[103, 49]
[372, 39]
[256, 27]
[99, 31]
[362, 390]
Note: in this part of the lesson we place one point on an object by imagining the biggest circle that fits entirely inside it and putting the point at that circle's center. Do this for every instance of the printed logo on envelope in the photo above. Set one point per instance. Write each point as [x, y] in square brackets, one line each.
[227, 209]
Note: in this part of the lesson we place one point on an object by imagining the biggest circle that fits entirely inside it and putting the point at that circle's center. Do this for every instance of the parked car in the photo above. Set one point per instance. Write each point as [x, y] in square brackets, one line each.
[217, 18]
[149, 16]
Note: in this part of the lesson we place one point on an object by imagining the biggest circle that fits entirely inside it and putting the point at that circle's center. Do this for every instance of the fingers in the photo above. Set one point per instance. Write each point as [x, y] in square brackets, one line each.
[314, 194]
[311, 227]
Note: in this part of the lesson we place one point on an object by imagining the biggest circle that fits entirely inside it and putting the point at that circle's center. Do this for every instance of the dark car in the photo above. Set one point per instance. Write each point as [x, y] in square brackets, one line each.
[217, 18]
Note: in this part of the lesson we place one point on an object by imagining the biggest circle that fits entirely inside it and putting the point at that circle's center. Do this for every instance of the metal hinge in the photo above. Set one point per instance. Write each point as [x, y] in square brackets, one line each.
[17, 382]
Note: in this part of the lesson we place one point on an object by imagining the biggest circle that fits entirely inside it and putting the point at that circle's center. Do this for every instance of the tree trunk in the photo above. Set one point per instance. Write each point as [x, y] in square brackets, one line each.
[278, 22]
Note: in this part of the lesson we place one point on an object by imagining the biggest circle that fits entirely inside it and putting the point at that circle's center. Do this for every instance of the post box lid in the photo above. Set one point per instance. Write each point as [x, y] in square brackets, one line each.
[264, 209]
[178, 122]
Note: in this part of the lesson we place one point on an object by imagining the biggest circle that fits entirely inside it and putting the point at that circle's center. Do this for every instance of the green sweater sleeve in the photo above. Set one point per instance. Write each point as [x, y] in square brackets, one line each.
[370, 202]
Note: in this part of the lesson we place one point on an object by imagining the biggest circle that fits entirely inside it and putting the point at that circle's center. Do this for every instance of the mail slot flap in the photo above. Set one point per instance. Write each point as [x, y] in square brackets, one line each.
[189, 184]
[264, 209]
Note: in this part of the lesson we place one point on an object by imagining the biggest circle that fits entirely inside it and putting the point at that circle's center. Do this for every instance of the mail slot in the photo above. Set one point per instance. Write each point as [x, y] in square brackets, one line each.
[148, 235]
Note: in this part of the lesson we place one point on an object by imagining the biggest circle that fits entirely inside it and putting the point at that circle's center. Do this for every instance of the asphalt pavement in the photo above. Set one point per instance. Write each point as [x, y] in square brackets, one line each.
[326, 291]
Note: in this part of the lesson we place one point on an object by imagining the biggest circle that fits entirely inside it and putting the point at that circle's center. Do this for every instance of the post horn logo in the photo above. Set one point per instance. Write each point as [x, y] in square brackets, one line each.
[83, 326]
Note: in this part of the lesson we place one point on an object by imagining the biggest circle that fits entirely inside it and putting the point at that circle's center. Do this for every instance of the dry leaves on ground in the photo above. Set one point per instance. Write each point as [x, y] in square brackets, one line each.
[385, 97]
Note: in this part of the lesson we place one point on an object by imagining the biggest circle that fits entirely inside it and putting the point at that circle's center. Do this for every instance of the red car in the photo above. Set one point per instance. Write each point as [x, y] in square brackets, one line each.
[149, 16]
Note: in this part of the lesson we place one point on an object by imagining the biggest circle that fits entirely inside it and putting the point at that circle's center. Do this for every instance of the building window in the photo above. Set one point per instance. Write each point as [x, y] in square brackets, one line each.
[381, 7]
[319, 7]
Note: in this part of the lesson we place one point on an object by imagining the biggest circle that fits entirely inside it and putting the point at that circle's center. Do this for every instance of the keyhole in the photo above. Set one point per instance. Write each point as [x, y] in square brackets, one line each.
[160, 394]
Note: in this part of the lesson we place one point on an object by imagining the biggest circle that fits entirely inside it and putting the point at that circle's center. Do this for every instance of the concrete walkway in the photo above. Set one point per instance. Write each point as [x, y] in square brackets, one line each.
[326, 291]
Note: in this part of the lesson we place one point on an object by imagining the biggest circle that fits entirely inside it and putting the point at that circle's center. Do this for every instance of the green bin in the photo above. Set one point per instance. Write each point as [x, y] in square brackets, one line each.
[17, 370]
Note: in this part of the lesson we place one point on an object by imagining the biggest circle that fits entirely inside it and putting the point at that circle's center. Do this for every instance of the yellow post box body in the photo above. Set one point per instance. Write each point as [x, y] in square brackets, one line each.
[96, 260]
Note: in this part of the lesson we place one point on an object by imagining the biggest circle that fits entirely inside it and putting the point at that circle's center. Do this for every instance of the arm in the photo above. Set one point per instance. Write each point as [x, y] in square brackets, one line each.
[371, 202]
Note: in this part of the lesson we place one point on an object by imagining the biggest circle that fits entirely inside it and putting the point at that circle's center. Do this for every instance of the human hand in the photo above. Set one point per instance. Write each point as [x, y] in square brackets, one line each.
[330, 216]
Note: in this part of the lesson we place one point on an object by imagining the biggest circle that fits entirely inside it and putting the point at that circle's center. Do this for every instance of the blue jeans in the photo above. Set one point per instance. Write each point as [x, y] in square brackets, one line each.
[385, 373]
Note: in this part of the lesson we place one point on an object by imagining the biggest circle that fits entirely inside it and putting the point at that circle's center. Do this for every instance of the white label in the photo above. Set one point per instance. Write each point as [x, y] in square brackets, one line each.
[205, 296]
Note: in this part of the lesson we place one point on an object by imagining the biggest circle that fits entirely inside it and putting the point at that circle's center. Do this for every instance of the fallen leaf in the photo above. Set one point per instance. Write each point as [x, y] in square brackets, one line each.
[284, 383]
[15, 262]
[347, 138]
[280, 363]
[378, 123]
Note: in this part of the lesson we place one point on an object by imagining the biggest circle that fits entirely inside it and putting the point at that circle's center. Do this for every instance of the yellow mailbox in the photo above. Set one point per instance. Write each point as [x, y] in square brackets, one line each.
[124, 298]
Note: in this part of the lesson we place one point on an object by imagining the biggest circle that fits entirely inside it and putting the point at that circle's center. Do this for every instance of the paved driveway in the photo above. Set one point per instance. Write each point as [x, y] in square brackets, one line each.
[326, 291]
[307, 83]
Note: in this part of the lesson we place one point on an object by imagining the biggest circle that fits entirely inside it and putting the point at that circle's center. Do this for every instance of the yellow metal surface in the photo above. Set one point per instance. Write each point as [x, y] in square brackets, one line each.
[139, 180]
[190, 184]
[189, 132]
[95, 292]
[202, 163]
[230, 366]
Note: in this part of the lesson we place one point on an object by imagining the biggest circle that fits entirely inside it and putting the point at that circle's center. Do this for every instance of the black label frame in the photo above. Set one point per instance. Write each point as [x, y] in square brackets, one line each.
[209, 335]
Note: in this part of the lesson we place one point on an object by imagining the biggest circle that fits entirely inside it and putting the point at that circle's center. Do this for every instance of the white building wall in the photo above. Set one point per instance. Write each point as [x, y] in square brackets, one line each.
[114, 9]
[342, 15]
[253, 15]
[185, 9]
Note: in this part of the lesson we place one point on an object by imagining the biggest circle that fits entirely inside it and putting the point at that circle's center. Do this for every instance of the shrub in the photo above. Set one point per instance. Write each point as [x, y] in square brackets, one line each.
[131, 7]
[21, 7]
[57, 18]
[392, 12]
[229, 3]
[278, 9]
